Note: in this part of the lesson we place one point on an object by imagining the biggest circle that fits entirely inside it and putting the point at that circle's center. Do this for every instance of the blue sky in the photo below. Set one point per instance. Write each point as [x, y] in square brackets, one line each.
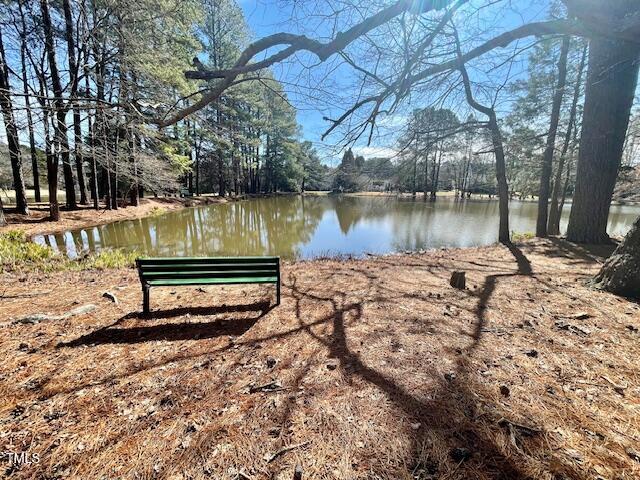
[336, 80]
[265, 17]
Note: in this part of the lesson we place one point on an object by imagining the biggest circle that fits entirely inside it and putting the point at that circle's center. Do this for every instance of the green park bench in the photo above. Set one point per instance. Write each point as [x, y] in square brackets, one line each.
[170, 272]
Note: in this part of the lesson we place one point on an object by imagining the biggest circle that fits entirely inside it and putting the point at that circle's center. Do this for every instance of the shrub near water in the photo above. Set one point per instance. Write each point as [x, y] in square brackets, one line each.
[109, 259]
[157, 211]
[16, 249]
[521, 237]
[17, 252]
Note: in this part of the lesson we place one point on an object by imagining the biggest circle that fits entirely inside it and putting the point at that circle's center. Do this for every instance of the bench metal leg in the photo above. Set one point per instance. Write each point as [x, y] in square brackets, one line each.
[278, 293]
[145, 300]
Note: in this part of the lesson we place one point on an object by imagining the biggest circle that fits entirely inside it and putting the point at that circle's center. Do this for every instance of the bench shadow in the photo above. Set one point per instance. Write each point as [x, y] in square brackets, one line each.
[262, 306]
[114, 334]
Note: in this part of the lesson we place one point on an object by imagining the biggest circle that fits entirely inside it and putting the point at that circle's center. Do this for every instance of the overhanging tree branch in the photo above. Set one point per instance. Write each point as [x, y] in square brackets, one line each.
[295, 44]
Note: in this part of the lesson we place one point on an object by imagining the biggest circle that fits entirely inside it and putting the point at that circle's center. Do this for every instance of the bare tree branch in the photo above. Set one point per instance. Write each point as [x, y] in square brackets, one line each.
[398, 88]
[296, 43]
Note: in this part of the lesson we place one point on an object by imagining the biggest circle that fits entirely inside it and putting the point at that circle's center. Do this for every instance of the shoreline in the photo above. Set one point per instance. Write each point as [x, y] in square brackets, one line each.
[37, 222]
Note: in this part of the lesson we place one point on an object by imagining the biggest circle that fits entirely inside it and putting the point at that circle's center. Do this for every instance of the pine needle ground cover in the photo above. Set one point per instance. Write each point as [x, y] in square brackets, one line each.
[370, 369]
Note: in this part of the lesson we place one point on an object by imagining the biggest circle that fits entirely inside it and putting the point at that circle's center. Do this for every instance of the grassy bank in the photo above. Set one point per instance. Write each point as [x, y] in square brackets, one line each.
[19, 254]
[372, 368]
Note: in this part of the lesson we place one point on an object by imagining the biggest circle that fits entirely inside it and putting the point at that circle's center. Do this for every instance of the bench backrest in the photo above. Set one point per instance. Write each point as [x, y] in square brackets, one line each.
[207, 267]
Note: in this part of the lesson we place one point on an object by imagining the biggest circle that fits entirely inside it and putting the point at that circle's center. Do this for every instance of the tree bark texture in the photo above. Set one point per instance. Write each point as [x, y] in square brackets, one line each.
[13, 142]
[547, 162]
[611, 82]
[555, 209]
[620, 274]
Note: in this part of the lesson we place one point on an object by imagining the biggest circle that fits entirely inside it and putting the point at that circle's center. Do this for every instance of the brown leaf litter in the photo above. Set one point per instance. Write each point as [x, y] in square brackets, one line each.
[370, 369]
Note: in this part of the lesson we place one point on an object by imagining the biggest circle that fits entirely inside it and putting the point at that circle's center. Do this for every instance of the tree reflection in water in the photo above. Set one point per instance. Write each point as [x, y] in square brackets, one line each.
[306, 226]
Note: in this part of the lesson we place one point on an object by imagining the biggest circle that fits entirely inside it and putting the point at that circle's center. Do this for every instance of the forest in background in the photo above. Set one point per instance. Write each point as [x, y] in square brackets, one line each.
[79, 80]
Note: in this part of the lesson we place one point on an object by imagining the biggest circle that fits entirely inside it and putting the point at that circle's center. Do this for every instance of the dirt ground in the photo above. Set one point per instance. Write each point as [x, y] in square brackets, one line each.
[38, 220]
[369, 369]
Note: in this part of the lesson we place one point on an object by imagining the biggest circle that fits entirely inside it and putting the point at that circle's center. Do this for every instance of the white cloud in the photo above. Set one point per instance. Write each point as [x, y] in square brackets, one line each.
[371, 152]
[392, 121]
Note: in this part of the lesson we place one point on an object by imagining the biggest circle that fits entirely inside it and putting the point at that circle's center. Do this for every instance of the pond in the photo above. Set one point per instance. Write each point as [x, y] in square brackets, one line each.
[296, 227]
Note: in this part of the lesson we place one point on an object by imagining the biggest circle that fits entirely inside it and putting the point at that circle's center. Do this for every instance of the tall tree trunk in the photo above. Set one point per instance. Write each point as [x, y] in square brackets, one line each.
[27, 103]
[98, 135]
[498, 149]
[91, 128]
[267, 165]
[436, 174]
[132, 140]
[3, 219]
[465, 175]
[221, 180]
[433, 171]
[79, 157]
[52, 179]
[620, 274]
[61, 133]
[196, 152]
[13, 141]
[114, 180]
[60, 125]
[501, 178]
[611, 82]
[414, 184]
[547, 161]
[94, 166]
[425, 183]
[555, 211]
[135, 191]
[52, 159]
[106, 170]
[73, 73]
[565, 188]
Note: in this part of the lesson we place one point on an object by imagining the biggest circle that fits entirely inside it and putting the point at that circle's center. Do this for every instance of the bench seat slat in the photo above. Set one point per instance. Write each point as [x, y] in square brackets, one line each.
[209, 273]
[209, 266]
[206, 260]
[211, 281]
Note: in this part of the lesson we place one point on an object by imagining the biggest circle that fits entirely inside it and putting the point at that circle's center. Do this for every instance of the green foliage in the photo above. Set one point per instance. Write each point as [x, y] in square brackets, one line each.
[158, 51]
[16, 249]
[527, 124]
[521, 237]
[523, 153]
[314, 173]
[157, 211]
[17, 252]
[281, 130]
[133, 57]
[431, 132]
[104, 259]
[222, 33]
[346, 177]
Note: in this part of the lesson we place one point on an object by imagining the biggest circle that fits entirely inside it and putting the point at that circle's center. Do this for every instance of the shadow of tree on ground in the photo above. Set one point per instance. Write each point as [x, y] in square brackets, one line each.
[446, 416]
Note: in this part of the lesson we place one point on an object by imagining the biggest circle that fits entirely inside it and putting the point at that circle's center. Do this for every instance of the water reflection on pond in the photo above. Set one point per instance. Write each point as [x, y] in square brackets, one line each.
[310, 226]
